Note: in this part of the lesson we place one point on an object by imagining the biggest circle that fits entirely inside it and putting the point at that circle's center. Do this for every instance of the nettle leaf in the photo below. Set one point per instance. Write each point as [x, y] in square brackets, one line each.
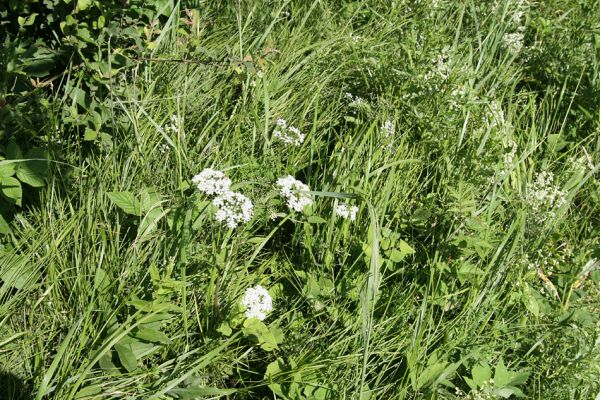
[33, 171]
[127, 202]
[11, 189]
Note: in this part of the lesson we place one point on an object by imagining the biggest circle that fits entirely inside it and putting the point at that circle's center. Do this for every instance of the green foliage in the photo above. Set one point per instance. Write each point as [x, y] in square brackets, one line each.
[471, 270]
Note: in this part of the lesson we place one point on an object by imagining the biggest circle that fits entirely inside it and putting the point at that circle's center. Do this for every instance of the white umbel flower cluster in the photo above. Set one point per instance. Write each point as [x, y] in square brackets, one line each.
[513, 42]
[212, 182]
[257, 302]
[288, 134]
[292, 189]
[234, 208]
[543, 196]
[346, 211]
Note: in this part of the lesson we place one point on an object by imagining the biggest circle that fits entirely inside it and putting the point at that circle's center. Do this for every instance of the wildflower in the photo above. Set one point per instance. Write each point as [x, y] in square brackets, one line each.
[288, 134]
[544, 196]
[173, 125]
[234, 208]
[388, 128]
[257, 302]
[347, 212]
[513, 42]
[211, 182]
[292, 189]
[509, 157]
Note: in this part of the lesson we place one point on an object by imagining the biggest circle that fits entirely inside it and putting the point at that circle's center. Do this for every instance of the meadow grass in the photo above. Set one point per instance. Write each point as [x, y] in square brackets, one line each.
[471, 270]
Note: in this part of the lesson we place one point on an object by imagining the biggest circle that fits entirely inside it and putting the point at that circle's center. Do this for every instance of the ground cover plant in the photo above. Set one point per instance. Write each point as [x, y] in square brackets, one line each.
[300, 199]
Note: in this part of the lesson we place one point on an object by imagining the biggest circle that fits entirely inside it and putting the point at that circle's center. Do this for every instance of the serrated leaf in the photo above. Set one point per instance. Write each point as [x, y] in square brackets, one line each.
[126, 201]
[11, 188]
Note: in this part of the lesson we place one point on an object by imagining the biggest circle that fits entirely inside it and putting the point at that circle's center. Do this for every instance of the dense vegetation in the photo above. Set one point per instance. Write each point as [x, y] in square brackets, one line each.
[446, 246]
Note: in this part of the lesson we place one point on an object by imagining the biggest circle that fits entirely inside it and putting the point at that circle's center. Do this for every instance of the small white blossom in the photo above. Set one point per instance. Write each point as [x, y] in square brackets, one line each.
[388, 128]
[173, 125]
[292, 189]
[211, 182]
[513, 42]
[543, 196]
[257, 302]
[346, 211]
[288, 134]
[234, 208]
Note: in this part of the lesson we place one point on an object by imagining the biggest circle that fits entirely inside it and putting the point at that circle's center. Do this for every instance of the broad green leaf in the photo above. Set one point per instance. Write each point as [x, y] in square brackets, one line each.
[481, 374]
[192, 393]
[152, 335]
[126, 356]
[11, 188]
[225, 329]
[7, 169]
[258, 332]
[13, 151]
[101, 280]
[313, 219]
[90, 135]
[530, 301]
[88, 391]
[83, 4]
[33, 171]
[18, 272]
[126, 201]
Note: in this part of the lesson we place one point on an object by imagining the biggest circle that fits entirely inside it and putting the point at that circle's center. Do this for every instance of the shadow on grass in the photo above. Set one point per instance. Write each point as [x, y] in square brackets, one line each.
[13, 387]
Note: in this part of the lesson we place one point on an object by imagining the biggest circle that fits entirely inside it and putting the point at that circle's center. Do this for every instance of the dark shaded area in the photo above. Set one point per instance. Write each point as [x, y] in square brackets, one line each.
[13, 387]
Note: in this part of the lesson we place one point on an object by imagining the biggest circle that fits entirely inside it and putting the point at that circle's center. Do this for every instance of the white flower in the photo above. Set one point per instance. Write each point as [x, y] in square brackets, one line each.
[174, 124]
[292, 189]
[544, 196]
[257, 302]
[388, 128]
[346, 211]
[513, 42]
[211, 182]
[234, 208]
[288, 134]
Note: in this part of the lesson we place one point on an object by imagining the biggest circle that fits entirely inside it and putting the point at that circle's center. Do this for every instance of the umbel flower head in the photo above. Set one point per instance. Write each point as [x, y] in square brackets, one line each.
[346, 211]
[257, 302]
[212, 182]
[288, 134]
[234, 208]
[292, 189]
